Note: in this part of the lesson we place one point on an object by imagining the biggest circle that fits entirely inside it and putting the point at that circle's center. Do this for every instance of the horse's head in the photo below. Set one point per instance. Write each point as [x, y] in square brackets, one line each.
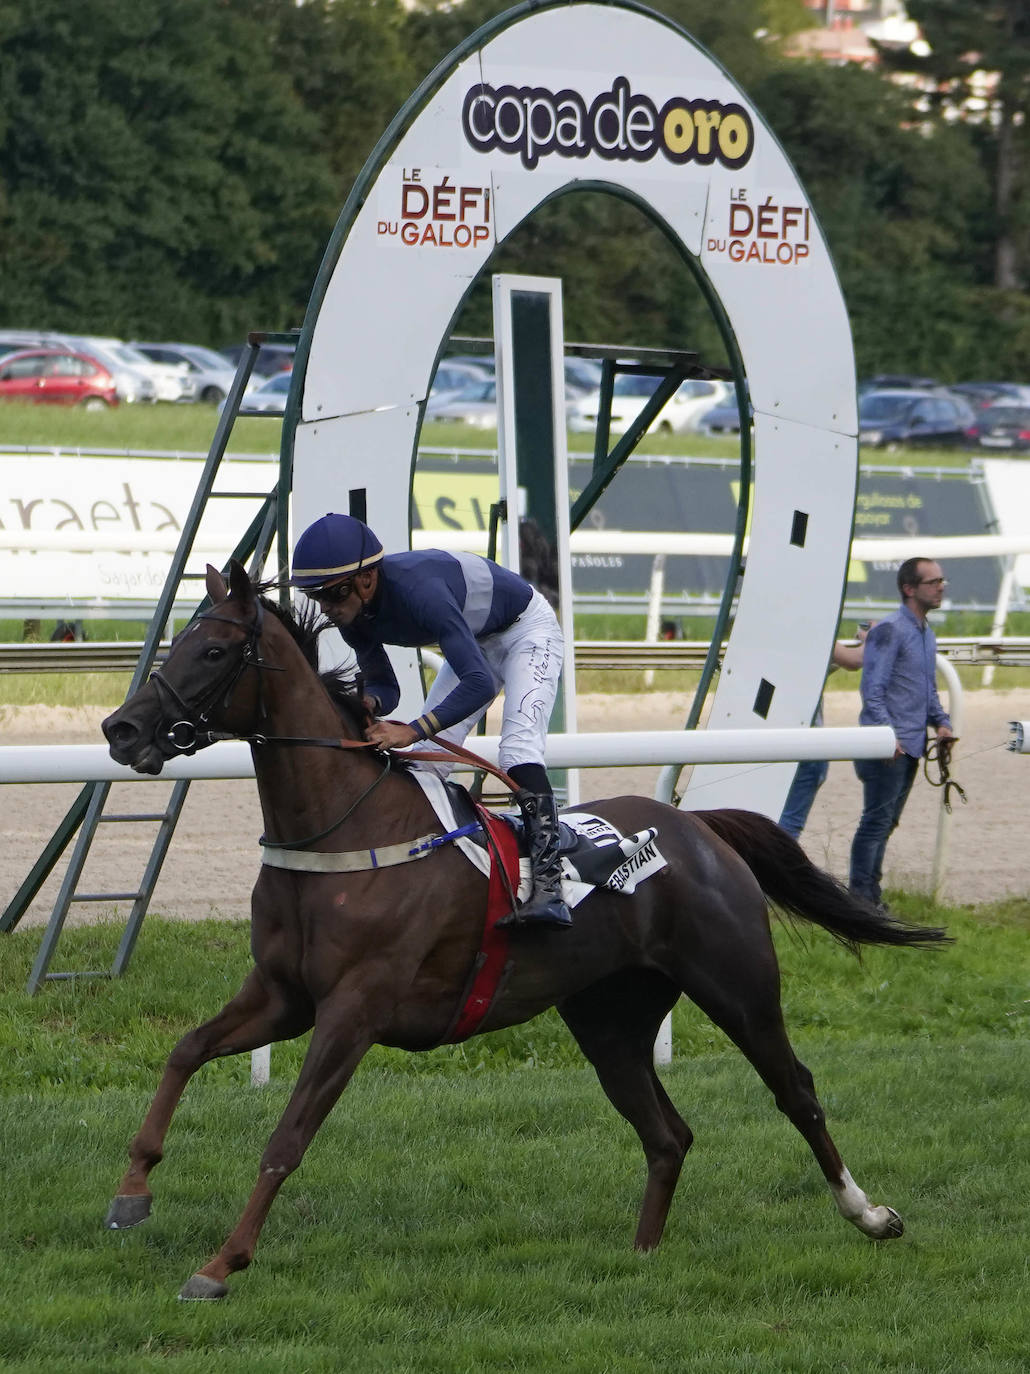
[196, 689]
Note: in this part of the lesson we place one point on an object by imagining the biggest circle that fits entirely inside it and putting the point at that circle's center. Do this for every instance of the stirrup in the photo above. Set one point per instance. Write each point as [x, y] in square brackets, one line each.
[553, 913]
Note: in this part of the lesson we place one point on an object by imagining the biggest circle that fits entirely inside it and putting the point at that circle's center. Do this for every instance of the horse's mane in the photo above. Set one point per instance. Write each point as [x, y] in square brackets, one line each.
[304, 627]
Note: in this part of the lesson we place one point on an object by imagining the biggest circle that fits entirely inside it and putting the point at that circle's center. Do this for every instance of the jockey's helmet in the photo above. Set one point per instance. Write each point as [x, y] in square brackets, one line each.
[334, 546]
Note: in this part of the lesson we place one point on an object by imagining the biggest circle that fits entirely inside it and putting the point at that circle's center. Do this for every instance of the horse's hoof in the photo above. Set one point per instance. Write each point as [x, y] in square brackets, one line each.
[127, 1210]
[202, 1289]
[893, 1227]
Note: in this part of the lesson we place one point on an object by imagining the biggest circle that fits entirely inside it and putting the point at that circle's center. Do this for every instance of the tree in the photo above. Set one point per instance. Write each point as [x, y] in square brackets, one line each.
[158, 172]
[896, 200]
[977, 70]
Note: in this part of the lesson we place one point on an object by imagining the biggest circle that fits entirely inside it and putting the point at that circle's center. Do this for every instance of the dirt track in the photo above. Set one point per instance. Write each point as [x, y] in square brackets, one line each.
[214, 856]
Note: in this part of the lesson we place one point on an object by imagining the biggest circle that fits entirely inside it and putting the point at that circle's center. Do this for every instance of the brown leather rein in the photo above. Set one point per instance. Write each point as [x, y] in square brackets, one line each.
[453, 751]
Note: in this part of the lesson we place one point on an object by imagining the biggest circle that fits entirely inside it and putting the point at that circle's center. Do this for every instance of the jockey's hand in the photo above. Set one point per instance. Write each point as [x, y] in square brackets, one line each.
[390, 734]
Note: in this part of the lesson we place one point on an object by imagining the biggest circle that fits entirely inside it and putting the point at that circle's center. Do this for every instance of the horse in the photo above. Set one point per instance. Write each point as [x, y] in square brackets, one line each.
[373, 957]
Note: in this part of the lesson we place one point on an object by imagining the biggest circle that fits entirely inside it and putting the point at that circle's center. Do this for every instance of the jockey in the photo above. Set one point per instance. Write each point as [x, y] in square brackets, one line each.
[493, 629]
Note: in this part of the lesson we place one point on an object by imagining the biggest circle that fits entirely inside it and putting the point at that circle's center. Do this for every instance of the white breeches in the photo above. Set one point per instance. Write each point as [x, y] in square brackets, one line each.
[526, 661]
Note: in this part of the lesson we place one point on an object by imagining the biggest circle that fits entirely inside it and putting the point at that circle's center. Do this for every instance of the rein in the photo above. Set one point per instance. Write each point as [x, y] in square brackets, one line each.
[939, 753]
[341, 742]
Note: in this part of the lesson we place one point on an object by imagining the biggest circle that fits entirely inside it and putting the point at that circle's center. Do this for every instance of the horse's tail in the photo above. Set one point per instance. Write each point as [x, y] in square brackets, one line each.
[794, 884]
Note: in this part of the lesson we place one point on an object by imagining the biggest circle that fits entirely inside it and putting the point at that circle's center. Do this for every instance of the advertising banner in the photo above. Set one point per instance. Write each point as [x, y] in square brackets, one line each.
[97, 533]
[697, 496]
[1008, 488]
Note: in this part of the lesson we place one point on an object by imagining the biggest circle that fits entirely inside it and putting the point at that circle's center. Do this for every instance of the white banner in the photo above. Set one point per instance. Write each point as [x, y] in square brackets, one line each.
[1008, 487]
[84, 532]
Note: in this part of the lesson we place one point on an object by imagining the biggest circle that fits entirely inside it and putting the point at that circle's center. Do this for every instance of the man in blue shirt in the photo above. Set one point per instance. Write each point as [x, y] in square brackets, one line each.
[493, 629]
[898, 689]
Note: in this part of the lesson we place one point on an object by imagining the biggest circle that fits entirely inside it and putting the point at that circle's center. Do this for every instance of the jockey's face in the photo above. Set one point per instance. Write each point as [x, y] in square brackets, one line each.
[342, 602]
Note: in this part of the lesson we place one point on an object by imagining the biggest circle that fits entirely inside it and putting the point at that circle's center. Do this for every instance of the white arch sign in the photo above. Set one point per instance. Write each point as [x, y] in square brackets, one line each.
[546, 99]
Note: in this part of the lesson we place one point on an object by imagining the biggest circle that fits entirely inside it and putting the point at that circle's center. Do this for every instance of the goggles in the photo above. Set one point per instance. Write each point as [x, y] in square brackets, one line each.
[331, 593]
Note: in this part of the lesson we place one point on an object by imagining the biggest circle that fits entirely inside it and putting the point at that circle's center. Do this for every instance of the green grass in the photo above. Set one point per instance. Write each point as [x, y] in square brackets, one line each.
[472, 1209]
[183, 429]
[189, 429]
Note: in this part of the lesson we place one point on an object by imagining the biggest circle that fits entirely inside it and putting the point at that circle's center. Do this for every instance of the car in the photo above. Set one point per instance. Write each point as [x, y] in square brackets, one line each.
[631, 391]
[980, 394]
[170, 383]
[271, 358]
[1002, 426]
[13, 340]
[453, 377]
[268, 398]
[212, 373]
[484, 364]
[133, 378]
[582, 375]
[890, 418]
[475, 405]
[722, 419]
[134, 382]
[56, 376]
[897, 381]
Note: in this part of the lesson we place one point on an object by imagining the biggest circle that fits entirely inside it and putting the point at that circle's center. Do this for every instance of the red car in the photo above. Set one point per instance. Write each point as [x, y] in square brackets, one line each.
[56, 376]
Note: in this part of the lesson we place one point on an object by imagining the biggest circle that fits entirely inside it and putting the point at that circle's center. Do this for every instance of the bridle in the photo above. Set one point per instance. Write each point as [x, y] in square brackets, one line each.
[187, 734]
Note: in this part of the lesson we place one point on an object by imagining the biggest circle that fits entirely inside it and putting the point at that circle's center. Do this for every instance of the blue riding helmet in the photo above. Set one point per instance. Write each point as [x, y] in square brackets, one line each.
[333, 547]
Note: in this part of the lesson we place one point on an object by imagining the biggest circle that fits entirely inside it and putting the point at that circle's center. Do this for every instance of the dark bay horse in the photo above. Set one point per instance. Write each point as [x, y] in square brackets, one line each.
[384, 956]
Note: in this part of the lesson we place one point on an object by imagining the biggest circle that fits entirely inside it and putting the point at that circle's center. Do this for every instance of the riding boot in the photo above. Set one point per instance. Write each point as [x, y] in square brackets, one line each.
[545, 905]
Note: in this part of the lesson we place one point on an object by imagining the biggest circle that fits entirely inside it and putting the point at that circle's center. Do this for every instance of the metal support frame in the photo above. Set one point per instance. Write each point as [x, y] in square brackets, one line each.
[87, 812]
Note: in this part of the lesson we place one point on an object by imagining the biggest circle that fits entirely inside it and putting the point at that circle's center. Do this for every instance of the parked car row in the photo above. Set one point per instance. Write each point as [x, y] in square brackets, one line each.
[459, 398]
[895, 409]
[36, 365]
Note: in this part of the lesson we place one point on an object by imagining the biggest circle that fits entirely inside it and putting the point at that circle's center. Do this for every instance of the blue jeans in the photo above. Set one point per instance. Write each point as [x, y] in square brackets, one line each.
[886, 784]
[808, 778]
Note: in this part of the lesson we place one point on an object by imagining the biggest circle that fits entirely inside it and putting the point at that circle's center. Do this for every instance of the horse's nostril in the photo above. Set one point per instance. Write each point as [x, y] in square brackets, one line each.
[118, 731]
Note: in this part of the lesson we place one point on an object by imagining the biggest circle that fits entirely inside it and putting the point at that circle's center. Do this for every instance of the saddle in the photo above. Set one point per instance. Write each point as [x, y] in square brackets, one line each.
[593, 852]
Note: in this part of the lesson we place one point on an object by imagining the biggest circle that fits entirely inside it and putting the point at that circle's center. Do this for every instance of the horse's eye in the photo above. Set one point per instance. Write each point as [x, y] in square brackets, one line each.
[214, 652]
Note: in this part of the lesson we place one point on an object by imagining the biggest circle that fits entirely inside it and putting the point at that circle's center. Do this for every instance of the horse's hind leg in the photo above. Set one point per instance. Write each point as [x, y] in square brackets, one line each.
[739, 990]
[615, 1024]
[259, 1014]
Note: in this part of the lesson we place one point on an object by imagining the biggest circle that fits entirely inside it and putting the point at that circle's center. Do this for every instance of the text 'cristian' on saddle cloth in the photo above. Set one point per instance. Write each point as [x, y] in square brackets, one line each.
[594, 853]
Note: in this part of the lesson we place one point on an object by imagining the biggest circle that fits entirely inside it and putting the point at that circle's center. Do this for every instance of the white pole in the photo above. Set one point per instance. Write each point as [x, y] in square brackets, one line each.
[260, 1066]
[663, 1045]
[955, 711]
[654, 608]
[1001, 612]
[623, 749]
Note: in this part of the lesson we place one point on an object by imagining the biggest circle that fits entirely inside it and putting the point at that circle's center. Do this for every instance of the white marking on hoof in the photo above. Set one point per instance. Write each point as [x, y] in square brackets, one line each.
[879, 1223]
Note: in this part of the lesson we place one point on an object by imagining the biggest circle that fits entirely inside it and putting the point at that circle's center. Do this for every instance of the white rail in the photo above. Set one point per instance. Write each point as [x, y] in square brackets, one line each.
[624, 749]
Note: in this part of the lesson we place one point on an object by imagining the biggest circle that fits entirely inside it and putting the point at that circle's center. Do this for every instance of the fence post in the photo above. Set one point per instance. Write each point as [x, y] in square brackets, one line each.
[955, 706]
[654, 608]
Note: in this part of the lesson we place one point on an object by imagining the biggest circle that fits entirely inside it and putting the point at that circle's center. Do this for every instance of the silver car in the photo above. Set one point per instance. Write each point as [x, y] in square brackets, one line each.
[211, 372]
[168, 383]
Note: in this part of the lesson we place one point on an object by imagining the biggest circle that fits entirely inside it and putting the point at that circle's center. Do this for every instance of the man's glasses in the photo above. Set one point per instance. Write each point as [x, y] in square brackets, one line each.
[933, 582]
[333, 593]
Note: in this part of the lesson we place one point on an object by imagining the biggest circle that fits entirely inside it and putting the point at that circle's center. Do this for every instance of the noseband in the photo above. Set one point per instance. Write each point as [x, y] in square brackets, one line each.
[188, 734]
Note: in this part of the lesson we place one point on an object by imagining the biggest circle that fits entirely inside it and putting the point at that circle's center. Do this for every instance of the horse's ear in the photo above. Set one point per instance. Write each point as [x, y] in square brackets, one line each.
[215, 582]
[240, 585]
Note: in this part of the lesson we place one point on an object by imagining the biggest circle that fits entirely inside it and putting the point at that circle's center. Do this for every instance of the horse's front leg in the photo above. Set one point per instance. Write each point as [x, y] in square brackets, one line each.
[340, 1040]
[259, 1014]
